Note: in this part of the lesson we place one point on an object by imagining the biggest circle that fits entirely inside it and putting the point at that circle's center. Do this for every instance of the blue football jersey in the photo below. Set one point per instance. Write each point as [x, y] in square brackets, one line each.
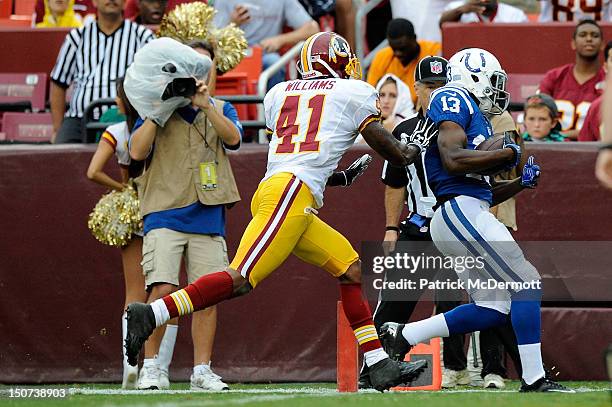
[451, 103]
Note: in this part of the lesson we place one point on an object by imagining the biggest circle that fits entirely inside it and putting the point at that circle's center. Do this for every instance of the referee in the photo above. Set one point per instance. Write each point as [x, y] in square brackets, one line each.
[409, 184]
[91, 59]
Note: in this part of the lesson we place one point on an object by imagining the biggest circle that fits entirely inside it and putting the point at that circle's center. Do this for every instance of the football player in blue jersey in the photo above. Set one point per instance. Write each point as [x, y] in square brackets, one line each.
[463, 227]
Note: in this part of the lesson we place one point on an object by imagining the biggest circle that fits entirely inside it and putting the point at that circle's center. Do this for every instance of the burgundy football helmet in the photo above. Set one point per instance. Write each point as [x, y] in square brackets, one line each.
[328, 55]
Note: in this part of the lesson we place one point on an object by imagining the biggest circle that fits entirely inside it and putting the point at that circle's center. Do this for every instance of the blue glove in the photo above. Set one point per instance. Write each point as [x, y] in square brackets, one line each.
[531, 173]
[509, 143]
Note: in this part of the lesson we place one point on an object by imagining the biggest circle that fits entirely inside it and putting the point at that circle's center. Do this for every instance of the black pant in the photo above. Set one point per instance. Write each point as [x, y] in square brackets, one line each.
[492, 341]
[69, 131]
[400, 311]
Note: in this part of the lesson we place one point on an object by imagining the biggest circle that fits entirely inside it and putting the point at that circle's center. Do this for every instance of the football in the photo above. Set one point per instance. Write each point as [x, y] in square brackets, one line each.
[493, 143]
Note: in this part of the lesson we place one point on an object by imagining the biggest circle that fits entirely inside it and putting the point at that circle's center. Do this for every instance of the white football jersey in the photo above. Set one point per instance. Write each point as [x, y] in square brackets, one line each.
[118, 136]
[575, 10]
[313, 122]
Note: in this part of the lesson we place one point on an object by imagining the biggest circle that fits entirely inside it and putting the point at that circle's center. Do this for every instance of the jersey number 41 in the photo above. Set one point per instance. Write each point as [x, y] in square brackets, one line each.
[287, 127]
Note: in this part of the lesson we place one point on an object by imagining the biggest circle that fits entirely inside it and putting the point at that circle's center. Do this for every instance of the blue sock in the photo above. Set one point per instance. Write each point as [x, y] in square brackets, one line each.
[525, 315]
[471, 318]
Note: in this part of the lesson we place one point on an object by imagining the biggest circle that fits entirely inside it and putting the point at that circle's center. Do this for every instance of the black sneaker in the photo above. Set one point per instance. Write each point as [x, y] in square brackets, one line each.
[388, 373]
[392, 340]
[544, 385]
[364, 378]
[140, 325]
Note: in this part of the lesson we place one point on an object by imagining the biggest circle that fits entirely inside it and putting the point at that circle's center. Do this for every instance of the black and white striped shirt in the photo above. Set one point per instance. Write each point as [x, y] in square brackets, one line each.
[93, 61]
[413, 176]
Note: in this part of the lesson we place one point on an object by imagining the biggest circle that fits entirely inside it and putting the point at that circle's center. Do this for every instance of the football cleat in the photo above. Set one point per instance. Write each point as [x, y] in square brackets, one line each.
[140, 325]
[544, 385]
[393, 341]
[364, 378]
[388, 373]
[493, 381]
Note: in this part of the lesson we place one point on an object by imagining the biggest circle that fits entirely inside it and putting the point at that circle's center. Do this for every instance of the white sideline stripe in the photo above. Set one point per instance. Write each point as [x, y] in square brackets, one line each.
[295, 392]
[304, 390]
[241, 401]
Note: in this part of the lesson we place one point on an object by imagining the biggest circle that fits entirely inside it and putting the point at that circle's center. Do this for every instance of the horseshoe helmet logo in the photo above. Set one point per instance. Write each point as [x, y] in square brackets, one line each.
[478, 69]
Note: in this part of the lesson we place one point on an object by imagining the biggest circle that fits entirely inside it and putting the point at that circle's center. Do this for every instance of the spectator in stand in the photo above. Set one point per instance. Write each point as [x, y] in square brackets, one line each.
[263, 22]
[402, 55]
[92, 58]
[564, 10]
[542, 119]
[342, 11]
[603, 166]
[575, 86]
[60, 13]
[85, 9]
[482, 11]
[591, 128]
[395, 101]
[132, 7]
[150, 12]
[424, 14]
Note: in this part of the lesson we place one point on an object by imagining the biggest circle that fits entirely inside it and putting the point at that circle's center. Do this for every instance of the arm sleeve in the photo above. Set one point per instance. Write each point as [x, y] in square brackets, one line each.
[295, 14]
[229, 111]
[365, 103]
[268, 102]
[224, 11]
[63, 71]
[547, 84]
[587, 132]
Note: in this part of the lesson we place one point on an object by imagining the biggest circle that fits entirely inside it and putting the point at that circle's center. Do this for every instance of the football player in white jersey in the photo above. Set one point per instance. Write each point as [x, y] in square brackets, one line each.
[312, 122]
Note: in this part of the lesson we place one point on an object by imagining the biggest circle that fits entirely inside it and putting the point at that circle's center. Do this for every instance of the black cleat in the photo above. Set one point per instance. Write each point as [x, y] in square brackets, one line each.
[544, 385]
[364, 378]
[393, 341]
[140, 325]
[388, 373]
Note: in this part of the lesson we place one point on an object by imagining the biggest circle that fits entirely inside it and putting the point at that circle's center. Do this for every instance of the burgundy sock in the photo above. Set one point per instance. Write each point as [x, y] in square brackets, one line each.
[205, 291]
[359, 317]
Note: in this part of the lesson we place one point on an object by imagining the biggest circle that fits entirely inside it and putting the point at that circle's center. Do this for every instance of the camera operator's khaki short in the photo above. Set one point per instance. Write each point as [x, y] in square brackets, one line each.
[163, 249]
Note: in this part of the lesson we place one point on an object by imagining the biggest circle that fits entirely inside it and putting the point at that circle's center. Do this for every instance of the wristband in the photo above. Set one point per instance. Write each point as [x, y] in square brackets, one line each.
[606, 147]
[395, 228]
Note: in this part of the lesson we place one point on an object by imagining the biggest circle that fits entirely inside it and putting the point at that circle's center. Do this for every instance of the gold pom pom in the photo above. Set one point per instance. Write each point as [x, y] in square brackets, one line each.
[230, 46]
[116, 217]
[187, 22]
[193, 21]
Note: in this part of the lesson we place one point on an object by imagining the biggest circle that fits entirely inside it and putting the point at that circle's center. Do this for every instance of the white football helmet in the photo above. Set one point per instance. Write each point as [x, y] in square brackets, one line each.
[479, 72]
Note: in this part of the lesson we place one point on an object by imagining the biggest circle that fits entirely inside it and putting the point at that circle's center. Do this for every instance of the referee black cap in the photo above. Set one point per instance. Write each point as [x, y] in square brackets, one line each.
[431, 69]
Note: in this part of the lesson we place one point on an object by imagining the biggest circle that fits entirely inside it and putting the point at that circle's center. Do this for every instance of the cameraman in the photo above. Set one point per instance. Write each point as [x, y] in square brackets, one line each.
[184, 190]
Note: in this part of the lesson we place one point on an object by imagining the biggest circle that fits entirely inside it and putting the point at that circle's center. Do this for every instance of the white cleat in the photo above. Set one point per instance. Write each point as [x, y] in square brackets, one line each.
[453, 378]
[149, 378]
[493, 381]
[164, 379]
[130, 377]
[206, 379]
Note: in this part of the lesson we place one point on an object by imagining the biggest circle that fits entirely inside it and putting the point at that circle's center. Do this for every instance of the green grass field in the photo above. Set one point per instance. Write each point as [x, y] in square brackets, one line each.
[315, 395]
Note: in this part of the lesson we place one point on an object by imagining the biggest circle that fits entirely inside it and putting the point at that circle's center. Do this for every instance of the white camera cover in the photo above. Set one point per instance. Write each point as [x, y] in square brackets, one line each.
[156, 65]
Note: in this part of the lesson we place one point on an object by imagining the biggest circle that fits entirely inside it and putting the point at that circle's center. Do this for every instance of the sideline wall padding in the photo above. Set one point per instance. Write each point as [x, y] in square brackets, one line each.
[62, 291]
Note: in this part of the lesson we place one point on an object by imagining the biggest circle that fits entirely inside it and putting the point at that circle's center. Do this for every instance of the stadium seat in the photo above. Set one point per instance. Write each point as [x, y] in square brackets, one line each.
[6, 8]
[20, 87]
[251, 65]
[27, 127]
[25, 7]
[523, 85]
[234, 83]
[16, 21]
